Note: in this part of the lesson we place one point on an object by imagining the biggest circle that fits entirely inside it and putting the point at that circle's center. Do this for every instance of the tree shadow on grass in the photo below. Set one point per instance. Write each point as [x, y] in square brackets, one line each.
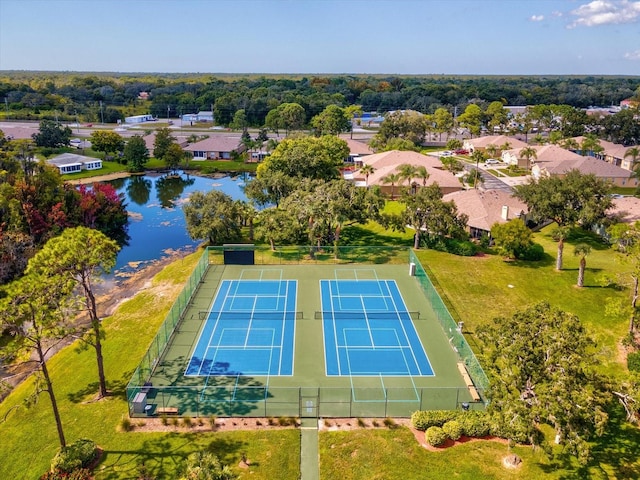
[115, 388]
[163, 455]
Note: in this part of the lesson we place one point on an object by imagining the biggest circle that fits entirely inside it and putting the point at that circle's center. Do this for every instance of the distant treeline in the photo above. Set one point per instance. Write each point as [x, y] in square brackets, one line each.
[107, 97]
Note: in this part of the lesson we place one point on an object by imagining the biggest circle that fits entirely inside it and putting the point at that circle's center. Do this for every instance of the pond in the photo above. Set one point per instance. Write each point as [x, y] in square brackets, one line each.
[156, 223]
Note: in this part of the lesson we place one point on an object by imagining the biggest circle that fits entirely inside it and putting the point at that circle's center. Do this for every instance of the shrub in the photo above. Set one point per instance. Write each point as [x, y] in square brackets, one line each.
[187, 422]
[74, 456]
[79, 474]
[453, 429]
[423, 419]
[361, 423]
[474, 423]
[389, 422]
[164, 419]
[435, 436]
[633, 362]
[533, 253]
[512, 429]
[126, 425]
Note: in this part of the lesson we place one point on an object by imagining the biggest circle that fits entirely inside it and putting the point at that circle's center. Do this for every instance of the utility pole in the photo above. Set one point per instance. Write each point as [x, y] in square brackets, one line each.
[101, 113]
[6, 108]
[168, 109]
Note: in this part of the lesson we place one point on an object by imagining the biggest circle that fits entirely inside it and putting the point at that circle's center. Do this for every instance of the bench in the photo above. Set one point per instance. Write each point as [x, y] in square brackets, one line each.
[167, 411]
[468, 382]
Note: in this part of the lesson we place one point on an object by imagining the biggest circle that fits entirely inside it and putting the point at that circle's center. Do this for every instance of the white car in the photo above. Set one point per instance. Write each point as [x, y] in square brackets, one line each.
[492, 161]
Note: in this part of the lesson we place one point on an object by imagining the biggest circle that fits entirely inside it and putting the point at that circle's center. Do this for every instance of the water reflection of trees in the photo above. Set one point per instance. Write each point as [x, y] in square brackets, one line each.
[170, 187]
[139, 189]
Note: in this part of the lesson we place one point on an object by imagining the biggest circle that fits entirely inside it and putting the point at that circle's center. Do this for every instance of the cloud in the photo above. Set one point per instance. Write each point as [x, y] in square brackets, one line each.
[536, 18]
[632, 55]
[606, 12]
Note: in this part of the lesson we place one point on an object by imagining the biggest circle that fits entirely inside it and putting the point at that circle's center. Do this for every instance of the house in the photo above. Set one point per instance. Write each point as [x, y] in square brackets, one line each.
[197, 117]
[612, 153]
[625, 209]
[72, 163]
[357, 150]
[150, 141]
[554, 160]
[216, 148]
[386, 163]
[486, 208]
[499, 141]
[139, 119]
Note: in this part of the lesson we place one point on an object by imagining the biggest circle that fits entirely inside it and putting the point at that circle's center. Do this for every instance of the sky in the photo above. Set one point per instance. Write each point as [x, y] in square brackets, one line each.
[475, 37]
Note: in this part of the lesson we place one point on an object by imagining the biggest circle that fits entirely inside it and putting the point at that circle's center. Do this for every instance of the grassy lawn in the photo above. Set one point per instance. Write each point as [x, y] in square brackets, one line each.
[29, 439]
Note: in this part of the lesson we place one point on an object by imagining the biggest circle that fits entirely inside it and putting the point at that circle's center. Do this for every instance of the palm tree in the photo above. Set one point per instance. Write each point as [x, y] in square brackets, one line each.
[634, 153]
[366, 170]
[478, 156]
[422, 173]
[581, 250]
[492, 150]
[406, 172]
[391, 179]
[528, 153]
[570, 144]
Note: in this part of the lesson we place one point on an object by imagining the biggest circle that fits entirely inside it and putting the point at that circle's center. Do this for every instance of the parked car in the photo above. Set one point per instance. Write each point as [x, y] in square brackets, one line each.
[492, 161]
[461, 151]
[446, 153]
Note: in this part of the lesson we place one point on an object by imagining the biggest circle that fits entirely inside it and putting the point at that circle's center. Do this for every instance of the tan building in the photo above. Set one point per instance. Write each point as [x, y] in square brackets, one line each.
[386, 163]
[216, 148]
[501, 141]
[485, 208]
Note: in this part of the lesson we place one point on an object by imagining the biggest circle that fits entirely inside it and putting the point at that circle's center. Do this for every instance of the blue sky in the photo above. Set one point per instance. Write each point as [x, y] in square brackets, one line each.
[323, 36]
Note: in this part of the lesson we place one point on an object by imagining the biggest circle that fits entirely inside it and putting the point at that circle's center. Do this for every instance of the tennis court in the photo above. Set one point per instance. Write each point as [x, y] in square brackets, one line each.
[315, 340]
[368, 330]
[248, 330]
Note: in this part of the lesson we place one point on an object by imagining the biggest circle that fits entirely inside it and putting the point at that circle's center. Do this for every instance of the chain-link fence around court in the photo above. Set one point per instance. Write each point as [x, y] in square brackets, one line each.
[254, 399]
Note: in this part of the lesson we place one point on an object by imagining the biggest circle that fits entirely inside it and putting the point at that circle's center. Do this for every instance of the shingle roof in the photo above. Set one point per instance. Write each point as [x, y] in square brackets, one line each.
[387, 162]
[626, 208]
[215, 143]
[497, 140]
[484, 208]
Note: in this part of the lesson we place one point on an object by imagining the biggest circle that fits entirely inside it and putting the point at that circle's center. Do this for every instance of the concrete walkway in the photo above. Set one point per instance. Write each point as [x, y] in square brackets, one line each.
[309, 460]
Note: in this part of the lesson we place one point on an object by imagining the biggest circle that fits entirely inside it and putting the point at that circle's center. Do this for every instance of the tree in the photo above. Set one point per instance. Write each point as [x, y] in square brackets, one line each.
[454, 144]
[408, 126]
[581, 250]
[528, 153]
[270, 188]
[52, 135]
[634, 154]
[576, 199]
[512, 238]
[406, 172]
[498, 116]
[542, 368]
[164, 139]
[443, 120]
[32, 310]
[239, 121]
[422, 173]
[626, 239]
[471, 119]
[174, 156]
[136, 154]
[391, 179]
[308, 157]
[367, 170]
[590, 145]
[79, 256]
[213, 216]
[276, 226]
[106, 141]
[479, 157]
[331, 121]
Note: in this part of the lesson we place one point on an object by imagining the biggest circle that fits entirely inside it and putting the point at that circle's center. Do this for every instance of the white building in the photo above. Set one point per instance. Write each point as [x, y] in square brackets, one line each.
[73, 163]
[139, 119]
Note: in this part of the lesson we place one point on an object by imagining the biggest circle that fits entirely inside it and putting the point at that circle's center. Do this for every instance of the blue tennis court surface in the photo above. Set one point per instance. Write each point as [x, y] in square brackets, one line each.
[368, 330]
[249, 330]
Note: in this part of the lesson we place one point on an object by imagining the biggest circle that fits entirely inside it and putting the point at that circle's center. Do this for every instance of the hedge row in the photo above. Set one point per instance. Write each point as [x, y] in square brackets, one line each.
[474, 423]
